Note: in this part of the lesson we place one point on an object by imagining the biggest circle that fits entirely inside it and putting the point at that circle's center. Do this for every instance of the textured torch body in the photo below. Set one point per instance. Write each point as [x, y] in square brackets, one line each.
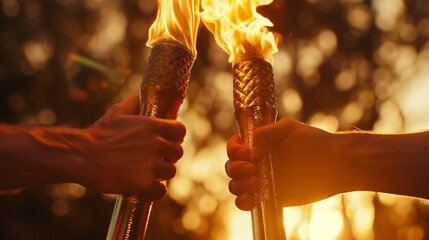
[255, 106]
[162, 92]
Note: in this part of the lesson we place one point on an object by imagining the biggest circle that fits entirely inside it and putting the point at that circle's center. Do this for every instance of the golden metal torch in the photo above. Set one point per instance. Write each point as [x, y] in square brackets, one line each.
[255, 106]
[172, 37]
[242, 33]
[162, 92]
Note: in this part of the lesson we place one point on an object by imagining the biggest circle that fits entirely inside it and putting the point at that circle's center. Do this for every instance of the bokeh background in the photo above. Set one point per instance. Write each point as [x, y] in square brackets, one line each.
[342, 65]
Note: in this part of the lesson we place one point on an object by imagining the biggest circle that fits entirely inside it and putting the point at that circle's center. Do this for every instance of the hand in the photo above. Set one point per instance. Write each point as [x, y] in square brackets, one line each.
[306, 168]
[127, 153]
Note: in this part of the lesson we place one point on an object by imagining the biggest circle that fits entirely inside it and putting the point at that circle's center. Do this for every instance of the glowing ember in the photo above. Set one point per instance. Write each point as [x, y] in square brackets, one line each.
[238, 28]
[176, 21]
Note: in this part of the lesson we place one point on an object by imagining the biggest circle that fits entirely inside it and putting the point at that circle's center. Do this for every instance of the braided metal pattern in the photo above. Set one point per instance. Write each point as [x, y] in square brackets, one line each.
[162, 92]
[254, 84]
[164, 85]
[255, 106]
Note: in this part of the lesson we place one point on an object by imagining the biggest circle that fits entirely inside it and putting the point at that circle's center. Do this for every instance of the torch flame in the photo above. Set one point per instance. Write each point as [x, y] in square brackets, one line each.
[239, 29]
[176, 21]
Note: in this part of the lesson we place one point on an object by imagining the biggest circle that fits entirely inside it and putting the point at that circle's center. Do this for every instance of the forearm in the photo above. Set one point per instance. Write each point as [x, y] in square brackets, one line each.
[395, 164]
[36, 156]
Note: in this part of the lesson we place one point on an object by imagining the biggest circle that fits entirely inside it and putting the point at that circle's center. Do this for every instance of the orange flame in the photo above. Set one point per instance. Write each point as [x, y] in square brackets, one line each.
[239, 29]
[176, 21]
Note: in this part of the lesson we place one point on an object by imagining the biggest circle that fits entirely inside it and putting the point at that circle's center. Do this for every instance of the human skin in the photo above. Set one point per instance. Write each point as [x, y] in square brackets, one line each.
[121, 153]
[313, 164]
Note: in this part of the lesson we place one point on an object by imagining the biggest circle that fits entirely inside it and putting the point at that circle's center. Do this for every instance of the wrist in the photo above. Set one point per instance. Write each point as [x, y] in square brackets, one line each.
[336, 161]
[345, 167]
[61, 153]
[357, 163]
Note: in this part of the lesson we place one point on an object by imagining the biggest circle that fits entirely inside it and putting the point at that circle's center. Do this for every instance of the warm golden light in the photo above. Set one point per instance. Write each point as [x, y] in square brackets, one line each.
[347, 65]
[239, 29]
[174, 21]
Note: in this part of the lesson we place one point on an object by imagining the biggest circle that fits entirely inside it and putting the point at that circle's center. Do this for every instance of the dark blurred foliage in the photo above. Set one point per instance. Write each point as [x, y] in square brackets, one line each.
[58, 66]
[29, 215]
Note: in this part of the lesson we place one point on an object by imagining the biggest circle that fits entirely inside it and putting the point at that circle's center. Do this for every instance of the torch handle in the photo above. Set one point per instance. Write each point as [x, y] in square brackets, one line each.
[255, 106]
[162, 92]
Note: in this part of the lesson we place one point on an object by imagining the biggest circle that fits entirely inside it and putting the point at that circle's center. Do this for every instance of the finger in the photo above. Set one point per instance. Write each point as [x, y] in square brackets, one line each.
[129, 106]
[170, 151]
[270, 136]
[164, 170]
[169, 129]
[240, 169]
[240, 186]
[156, 190]
[173, 153]
[246, 201]
[236, 150]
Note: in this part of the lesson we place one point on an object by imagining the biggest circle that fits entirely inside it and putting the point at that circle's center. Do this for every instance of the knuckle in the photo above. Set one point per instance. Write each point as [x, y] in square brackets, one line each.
[231, 187]
[159, 191]
[239, 204]
[227, 168]
[231, 169]
[182, 130]
[146, 181]
[176, 153]
[150, 165]
[247, 170]
[171, 172]
[156, 142]
[180, 152]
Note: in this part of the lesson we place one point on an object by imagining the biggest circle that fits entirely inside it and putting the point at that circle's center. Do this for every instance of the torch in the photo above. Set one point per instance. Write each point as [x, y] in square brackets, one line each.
[255, 106]
[242, 33]
[162, 92]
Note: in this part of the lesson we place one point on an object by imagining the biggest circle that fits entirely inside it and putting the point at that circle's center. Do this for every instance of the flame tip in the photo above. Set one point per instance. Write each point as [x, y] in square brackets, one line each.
[176, 21]
[239, 29]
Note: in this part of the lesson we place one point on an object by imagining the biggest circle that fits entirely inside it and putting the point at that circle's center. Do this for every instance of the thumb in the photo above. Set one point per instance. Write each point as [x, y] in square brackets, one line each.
[129, 106]
[236, 150]
[270, 136]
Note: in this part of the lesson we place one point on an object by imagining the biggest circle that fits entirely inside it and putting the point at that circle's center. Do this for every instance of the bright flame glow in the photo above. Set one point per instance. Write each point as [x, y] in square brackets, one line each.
[239, 29]
[360, 210]
[176, 21]
[326, 219]
[240, 225]
[325, 224]
[292, 216]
